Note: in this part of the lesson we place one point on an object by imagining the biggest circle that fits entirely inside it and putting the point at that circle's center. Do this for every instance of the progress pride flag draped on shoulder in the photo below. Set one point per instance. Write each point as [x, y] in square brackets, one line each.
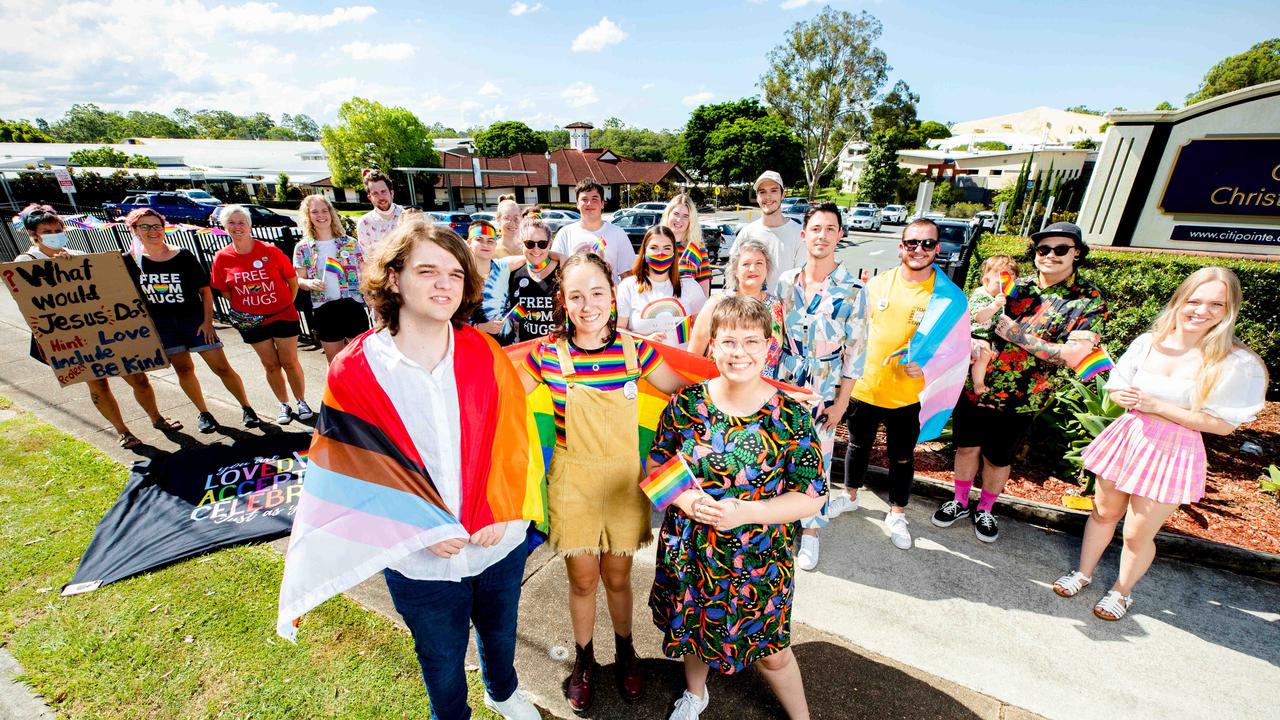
[369, 502]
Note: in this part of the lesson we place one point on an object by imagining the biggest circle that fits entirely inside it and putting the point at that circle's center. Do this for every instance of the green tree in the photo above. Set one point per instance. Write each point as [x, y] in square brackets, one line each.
[695, 141]
[88, 123]
[1086, 144]
[302, 126]
[636, 143]
[740, 150]
[881, 175]
[990, 145]
[109, 157]
[945, 194]
[503, 139]
[821, 81]
[155, 125]
[897, 111]
[1165, 105]
[21, 131]
[370, 134]
[282, 187]
[557, 139]
[1258, 64]
[932, 130]
[1084, 110]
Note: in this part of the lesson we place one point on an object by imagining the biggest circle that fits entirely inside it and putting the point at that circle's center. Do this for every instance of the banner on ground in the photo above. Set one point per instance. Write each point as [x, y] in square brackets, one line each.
[194, 501]
[86, 315]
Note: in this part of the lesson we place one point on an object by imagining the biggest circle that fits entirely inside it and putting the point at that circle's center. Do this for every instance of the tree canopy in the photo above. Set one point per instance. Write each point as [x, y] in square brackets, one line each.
[897, 111]
[369, 134]
[86, 122]
[822, 79]
[735, 141]
[881, 175]
[22, 131]
[503, 139]
[109, 157]
[1258, 64]
[636, 143]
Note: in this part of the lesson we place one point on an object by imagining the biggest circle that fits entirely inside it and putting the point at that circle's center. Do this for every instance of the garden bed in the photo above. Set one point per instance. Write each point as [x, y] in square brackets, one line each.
[1234, 510]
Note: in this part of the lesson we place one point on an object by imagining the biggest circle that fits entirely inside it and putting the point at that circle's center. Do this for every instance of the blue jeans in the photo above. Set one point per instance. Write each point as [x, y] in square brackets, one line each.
[439, 614]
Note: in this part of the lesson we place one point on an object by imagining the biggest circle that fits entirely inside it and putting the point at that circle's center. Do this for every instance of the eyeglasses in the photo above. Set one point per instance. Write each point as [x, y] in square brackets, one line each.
[537, 244]
[1059, 250]
[148, 227]
[751, 346]
[926, 244]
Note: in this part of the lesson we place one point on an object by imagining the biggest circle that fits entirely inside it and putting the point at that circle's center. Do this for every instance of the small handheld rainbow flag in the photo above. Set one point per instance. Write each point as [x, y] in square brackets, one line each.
[666, 482]
[899, 355]
[333, 266]
[1006, 283]
[519, 312]
[683, 330]
[598, 245]
[1098, 361]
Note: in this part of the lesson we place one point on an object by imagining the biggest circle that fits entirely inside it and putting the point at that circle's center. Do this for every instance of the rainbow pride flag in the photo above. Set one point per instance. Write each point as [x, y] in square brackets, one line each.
[668, 481]
[1097, 361]
[519, 312]
[899, 356]
[683, 330]
[332, 265]
[1006, 283]
[598, 246]
[369, 500]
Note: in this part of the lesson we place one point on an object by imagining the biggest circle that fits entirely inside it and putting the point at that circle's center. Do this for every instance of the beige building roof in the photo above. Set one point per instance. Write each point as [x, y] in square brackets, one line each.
[1062, 126]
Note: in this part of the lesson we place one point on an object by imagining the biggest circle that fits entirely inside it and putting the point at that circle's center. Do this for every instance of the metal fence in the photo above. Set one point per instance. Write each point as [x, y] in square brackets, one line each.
[117, 238]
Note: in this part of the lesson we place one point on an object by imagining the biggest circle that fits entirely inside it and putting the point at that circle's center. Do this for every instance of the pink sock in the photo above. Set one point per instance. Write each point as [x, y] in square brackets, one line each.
[987, 501]
[962, 491]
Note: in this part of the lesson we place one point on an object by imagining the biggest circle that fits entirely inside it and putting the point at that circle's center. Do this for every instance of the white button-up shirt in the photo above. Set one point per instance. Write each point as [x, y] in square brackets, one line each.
[427, 401]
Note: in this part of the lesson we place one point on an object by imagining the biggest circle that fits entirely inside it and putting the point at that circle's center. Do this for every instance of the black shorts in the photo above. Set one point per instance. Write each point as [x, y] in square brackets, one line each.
[997, 432]
[267, 331]
[340, 319]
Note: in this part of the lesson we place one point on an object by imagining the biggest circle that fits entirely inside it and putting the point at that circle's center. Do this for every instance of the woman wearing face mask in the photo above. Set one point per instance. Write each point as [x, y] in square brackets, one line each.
[531, 291]
[507, 218]
[328, 264]
[655, 300]
[681, 215]
[744, 276]
[49, 240]
[598, 515]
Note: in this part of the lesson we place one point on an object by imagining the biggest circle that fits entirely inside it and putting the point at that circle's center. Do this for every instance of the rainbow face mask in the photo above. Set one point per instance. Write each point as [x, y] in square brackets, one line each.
[660, 263]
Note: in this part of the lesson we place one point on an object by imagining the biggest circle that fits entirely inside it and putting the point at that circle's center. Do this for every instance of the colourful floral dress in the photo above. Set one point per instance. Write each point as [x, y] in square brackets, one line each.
[726, 596]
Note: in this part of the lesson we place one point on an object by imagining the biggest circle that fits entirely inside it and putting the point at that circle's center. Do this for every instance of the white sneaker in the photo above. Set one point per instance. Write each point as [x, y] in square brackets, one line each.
[516, 707]
[898, 534]
[841, 503]
[304, 410]
[286, 415]
[690, 706]
[807, 558]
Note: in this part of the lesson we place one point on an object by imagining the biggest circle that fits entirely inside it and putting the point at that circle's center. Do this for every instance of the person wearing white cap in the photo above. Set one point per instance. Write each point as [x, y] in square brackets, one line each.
[778, 233]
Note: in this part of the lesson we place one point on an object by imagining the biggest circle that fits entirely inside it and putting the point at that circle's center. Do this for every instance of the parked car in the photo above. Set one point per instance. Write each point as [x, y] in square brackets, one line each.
[865, 206]
[636, 224]
[728, 236]
[260, 216]
[893, 214]
[795, 210]
[457, 221]
[863, 219]
[955, 248]
[556, 219]
[174, 207]
[199, 196]
[484, 215]
[984, 221]
[713, 238]
[652, 205]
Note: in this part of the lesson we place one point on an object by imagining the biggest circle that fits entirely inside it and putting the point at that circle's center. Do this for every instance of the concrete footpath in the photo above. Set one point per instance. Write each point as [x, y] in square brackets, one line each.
[953, 628]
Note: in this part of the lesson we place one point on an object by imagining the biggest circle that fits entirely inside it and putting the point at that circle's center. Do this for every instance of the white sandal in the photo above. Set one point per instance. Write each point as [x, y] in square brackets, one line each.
[1113, 606]
[1072, 583]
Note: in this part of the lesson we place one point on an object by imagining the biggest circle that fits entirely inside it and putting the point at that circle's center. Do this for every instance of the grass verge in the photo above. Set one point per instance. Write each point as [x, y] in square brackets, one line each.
[195, 640]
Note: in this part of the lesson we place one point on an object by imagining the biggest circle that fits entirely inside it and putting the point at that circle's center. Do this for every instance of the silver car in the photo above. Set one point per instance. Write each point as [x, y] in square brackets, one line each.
[863, 219]
[893, 214]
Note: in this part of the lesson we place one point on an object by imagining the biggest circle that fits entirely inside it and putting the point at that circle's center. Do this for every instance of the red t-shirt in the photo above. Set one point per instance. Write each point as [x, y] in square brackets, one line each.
[255, 283]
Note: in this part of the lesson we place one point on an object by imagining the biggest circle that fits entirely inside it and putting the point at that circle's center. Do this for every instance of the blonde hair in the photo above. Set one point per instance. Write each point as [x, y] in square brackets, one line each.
[1220, 342]
[998, 263]
[335, 221]
[694, 233]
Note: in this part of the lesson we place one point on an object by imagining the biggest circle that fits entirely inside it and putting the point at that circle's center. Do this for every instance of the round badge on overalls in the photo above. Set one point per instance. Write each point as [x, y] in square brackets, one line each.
[630, 390]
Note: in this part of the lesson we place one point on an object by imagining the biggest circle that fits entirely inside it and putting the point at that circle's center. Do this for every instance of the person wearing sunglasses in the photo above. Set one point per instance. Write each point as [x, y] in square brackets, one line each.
[1054, 319]
[532, 287]
[917, 350]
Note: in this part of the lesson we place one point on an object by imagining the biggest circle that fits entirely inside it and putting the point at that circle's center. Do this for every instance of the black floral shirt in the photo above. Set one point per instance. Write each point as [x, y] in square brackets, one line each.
[1018, 381]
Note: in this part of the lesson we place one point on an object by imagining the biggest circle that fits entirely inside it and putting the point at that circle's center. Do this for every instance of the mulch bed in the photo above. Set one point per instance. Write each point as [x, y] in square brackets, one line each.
[1233, 511]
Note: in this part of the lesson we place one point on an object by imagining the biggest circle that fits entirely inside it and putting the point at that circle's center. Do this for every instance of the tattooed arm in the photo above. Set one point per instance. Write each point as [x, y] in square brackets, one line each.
[1069, 353]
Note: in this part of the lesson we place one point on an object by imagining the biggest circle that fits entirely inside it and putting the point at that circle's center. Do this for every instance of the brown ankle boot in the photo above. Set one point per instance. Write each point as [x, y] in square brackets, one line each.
[582, 677]
[630, 676]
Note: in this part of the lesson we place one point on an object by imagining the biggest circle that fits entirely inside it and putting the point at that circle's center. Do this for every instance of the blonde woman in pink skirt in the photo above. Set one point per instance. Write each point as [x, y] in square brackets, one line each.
[1188, 375]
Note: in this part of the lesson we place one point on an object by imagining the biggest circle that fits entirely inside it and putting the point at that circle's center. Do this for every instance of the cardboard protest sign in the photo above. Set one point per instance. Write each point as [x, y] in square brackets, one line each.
[86, 315]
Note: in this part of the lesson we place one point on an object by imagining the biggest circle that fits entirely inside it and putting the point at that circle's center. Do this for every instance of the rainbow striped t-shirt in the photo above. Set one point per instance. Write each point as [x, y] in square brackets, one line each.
[604, 369]
[694, 262]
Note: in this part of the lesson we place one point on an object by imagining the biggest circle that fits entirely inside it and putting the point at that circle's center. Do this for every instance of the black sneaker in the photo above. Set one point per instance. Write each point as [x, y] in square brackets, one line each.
[249, 417]
[984, 526]
[205, 423]
[949, 513]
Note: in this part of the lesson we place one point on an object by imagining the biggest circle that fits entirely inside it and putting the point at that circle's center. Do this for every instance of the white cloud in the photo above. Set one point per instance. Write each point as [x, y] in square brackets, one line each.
[580, 94]
[793, 4]
[385, 51]
[489, 90]
[599, 36]
[648, 86]
[697, 99]
[519, 8]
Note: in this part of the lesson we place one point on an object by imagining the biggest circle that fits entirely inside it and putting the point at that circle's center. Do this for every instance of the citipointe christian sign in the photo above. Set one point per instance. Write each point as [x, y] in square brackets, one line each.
[1227, 177]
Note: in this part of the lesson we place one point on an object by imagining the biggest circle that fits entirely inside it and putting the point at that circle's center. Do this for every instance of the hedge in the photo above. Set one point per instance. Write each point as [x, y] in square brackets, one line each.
[1137, 285]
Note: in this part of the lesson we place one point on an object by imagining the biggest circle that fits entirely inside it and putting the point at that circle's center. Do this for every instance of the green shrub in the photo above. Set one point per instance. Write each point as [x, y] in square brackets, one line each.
[964, 210]
[1137, 285]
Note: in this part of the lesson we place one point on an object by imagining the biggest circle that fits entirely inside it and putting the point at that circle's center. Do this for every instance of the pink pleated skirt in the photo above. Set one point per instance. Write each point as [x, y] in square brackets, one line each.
[1150, 457]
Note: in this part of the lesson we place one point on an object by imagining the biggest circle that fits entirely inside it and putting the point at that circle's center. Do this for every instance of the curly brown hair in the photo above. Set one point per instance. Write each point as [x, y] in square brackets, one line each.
[392, 254]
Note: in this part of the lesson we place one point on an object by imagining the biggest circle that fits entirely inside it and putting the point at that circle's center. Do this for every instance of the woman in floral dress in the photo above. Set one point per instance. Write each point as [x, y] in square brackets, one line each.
[723, 587]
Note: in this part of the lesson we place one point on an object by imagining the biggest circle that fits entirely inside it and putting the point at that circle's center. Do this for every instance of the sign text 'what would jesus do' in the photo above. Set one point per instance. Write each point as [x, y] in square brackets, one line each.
[86, 315]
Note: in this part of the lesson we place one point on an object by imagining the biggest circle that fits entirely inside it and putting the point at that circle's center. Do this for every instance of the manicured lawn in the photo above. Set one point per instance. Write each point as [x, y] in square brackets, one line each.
[195, 640]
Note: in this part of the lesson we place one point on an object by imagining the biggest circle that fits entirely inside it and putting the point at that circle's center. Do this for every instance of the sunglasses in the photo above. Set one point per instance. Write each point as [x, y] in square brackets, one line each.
[1059, 250]
[926, 244]
[537, 244]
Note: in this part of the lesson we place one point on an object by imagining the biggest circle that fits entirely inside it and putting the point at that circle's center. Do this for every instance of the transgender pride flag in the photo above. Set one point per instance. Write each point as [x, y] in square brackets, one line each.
[941, 347]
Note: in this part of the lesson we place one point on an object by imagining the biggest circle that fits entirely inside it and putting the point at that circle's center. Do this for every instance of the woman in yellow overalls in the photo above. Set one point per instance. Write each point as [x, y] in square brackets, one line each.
[598, 515]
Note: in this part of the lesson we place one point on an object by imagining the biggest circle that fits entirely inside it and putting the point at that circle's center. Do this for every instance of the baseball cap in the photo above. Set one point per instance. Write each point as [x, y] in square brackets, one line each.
[768, 176]
[1064, 229]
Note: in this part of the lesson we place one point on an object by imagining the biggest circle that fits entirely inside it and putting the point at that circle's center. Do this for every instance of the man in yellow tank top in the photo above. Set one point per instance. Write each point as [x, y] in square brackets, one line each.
[888, 393]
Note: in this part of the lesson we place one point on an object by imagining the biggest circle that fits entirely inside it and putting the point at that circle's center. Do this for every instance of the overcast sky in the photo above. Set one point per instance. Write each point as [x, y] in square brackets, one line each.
[552, 62]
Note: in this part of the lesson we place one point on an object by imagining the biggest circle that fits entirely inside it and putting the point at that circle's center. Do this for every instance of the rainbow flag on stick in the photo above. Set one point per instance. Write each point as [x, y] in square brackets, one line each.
[519, 312]
[333, 266]
[668, 481]
[1006, 283]
[683, 330]
[1098, 361]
